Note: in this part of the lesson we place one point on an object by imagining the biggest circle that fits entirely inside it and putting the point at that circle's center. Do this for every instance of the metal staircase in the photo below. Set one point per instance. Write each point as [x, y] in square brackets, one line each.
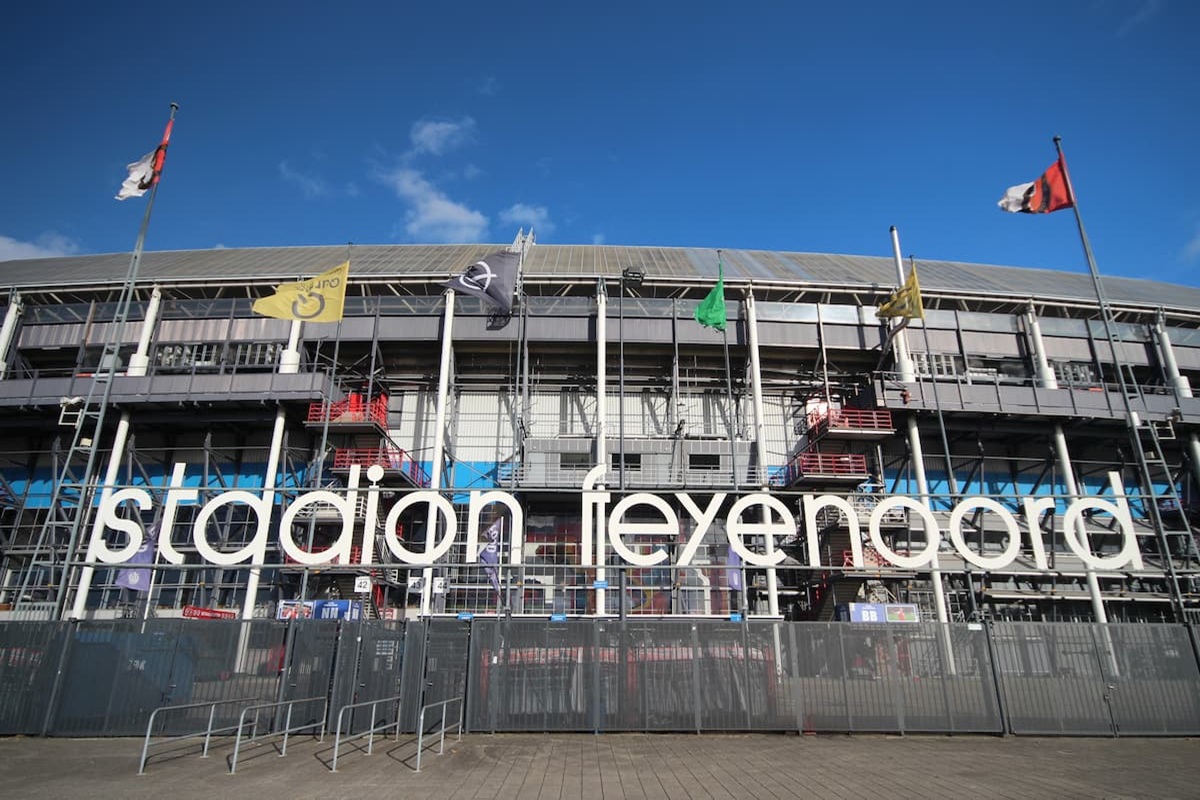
[60, 537]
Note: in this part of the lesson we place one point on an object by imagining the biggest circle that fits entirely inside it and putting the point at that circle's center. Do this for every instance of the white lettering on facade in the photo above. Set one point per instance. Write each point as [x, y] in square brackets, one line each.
[599, 527]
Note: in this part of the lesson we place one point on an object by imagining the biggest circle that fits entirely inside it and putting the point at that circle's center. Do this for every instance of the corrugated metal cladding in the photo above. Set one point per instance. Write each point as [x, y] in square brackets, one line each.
[578, 261]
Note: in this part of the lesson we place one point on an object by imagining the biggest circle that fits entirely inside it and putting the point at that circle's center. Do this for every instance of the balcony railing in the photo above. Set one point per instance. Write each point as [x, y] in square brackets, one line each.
[355, 408]
[392, 459]
[815, 465]
[850, 419]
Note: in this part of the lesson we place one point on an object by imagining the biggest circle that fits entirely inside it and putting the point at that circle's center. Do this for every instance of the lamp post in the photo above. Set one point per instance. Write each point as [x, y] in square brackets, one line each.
[633, 277]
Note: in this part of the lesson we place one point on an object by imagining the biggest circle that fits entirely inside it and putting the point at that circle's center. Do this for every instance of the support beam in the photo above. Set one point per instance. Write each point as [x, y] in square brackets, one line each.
[9, 329]
[601, 428]
[760, 441]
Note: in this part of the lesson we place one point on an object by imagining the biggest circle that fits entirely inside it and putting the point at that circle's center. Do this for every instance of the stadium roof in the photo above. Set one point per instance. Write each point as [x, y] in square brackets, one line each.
[675, 265]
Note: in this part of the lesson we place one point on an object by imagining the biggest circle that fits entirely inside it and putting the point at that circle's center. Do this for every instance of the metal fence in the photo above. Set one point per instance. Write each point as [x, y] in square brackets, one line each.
[106, 678]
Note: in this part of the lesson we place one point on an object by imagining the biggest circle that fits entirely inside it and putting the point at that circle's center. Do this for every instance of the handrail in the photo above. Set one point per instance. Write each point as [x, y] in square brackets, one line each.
[207, 732]
[337, 741]
[287, 725]
[442, 730]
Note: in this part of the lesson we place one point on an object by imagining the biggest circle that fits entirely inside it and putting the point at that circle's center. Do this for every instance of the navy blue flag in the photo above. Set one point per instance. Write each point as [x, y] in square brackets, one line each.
[138, 578]
[733, 575]
[491, 279]
[490, 554]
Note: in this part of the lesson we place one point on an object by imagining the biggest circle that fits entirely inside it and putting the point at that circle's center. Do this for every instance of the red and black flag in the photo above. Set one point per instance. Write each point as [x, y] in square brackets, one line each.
[1048, 193]
[144, 172]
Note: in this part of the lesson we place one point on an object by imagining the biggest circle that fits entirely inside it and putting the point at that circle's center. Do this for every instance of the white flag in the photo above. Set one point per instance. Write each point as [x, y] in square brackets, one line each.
[140, 174]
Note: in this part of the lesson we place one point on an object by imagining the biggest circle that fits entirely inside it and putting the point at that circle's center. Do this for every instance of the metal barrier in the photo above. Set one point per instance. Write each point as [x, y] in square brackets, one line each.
[606, 674]
[370, 732]
[441, 731]
[206, 733]
[287, 725]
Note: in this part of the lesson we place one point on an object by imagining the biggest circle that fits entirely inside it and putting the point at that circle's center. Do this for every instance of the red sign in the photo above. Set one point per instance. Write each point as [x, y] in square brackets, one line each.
[196, 612]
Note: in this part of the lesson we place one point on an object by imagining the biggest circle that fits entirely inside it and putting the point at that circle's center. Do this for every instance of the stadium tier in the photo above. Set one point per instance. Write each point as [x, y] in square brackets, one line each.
[1025, 451]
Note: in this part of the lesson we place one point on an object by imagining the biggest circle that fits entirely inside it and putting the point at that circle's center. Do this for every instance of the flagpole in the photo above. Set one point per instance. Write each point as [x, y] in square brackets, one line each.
[1131, 419]
[729, 394]
[111, 350]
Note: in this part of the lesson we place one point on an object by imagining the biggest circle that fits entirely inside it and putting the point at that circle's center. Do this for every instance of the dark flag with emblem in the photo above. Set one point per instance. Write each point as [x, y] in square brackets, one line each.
[134, 576]
[1048, 193]
[490, 554]
[491, 278]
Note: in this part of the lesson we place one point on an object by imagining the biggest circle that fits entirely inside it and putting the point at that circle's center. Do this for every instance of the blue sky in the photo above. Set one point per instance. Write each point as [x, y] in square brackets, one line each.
[778, 126]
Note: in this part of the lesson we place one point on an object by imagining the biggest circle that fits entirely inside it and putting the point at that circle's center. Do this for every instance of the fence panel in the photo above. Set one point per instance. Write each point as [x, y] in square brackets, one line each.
[663, 684]
[1052, 678]
[310, 669]
[1155, 686]
[30, 654]
[944, 676]
[530, 675]
[369, 666]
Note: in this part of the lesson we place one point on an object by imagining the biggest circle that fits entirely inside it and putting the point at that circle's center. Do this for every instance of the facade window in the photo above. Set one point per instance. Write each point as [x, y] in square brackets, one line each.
[186, 357]
[257, 354]
[1074, 373]
[937, 365]
[575, 460]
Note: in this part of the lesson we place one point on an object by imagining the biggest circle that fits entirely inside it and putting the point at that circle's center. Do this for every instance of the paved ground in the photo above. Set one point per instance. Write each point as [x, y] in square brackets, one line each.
[618, 766]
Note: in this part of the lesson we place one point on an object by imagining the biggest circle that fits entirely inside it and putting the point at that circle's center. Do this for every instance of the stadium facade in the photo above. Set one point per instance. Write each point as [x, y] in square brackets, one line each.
[1028, 451]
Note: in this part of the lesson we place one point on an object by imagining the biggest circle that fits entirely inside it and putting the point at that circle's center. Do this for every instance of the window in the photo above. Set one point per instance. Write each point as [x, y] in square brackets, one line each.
[575, 460]
[1073, 373]
[704, 461]
[632, 461]
[937, 365]
[186, 357]
[257, 354]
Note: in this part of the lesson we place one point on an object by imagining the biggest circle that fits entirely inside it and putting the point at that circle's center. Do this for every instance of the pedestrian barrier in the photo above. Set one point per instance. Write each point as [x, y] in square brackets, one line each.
[441, 729]
[370, 732]
[207, 733]
[287, 724]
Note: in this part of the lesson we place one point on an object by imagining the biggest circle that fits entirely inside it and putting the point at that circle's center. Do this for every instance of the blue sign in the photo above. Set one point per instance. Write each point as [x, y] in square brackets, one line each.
[320, 609]
[735, 617]
[465, 615]
[558, 617]
[599, 584]
[884, 612]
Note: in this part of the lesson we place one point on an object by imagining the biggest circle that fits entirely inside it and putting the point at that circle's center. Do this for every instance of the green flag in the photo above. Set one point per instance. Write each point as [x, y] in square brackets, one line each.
[711, 311]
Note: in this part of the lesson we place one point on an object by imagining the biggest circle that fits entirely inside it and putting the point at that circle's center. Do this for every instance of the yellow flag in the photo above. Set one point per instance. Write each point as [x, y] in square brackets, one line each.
[905, 301]
[319, 299]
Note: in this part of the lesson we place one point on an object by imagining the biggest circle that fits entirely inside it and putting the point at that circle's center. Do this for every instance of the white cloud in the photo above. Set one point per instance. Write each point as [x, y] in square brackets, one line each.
[527, 216]
[597, 238]
[441, 136]
[431, 215]
[48, 245]
[309, 186]
[1146, 10]
[471, 172]
[1191, 250]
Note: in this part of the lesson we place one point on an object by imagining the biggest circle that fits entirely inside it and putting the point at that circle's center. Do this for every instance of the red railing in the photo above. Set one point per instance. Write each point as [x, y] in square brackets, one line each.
[355, 408]
[850, 419]
[390, 458]
[871, 558]
[848, 465]
[355, 555]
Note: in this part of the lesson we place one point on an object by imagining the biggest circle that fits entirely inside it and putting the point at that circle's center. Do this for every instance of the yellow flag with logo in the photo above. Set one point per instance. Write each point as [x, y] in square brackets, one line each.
[905, 301]
[319, 299]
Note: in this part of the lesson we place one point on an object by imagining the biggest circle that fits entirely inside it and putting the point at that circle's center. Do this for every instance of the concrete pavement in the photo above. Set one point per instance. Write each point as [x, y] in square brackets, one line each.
[608, 766]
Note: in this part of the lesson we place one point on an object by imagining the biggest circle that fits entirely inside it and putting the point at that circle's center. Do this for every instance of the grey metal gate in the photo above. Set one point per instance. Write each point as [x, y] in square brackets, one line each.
[31, 658]
[1098, 679]
[370, 661]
